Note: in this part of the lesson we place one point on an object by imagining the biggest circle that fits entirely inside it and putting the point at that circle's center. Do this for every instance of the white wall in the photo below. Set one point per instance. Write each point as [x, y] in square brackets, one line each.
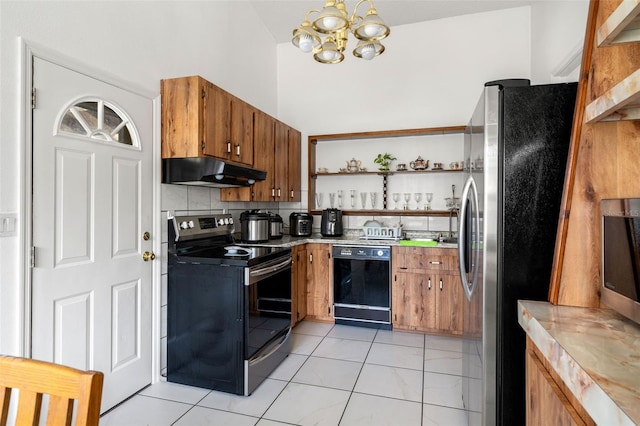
[430, 75]
[138, 42]
[557, 34]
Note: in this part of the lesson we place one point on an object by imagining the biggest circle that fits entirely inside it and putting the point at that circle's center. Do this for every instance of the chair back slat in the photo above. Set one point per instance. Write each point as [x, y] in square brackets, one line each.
[60, 411]
[64, 386]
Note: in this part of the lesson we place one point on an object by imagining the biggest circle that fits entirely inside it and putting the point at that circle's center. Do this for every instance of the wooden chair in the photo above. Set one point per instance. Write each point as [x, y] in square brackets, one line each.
[63, 384]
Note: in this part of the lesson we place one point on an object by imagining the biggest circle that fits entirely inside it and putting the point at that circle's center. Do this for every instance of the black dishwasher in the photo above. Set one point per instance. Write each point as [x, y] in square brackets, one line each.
[362, 286]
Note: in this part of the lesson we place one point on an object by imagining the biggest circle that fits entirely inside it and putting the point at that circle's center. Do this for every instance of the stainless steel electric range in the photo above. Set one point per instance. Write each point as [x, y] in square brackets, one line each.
[228, 307]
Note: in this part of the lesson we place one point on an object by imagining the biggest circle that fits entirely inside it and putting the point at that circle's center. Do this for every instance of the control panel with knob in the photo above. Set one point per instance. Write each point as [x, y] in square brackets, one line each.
[192, 227]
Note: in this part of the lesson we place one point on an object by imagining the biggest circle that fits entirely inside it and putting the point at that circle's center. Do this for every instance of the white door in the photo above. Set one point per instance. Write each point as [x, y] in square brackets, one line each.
[92, 204]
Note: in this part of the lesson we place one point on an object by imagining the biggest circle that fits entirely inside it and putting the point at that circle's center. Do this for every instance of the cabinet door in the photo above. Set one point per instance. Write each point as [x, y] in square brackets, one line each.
[449, 303]
[299, 284]
[241, 131]
[281, 162]
[217, 122]
[182, 116]
[264, 150]
[546, 403]
[294, 169]
[320, 282]
[413, 300]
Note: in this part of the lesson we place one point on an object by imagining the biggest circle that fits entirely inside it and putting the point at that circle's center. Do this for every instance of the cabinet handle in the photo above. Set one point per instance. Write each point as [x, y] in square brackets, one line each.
[273, 192]
[228, 147]
[292, 194]
[310, 257]
[403, 267]
[238, 150]
[429, 283]
[440, 284]
[435, 262]
[279, 193]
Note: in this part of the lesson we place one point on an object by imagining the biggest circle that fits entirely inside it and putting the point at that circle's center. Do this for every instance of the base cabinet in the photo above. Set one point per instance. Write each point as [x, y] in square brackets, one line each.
[548, 403]
[320, 282]
[426, 290]
[299, 284]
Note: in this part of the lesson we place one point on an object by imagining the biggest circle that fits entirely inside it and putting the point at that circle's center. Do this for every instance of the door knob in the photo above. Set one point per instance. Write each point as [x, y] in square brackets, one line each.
[148, 255]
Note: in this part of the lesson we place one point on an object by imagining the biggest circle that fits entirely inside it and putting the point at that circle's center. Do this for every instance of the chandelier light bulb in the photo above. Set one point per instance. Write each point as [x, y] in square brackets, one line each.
[329, 22]
[373, 30]
[368, 52]
[306, 43]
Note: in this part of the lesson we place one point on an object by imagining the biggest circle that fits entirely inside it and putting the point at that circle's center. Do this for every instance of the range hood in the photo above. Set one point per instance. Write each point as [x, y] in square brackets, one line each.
[207, 171]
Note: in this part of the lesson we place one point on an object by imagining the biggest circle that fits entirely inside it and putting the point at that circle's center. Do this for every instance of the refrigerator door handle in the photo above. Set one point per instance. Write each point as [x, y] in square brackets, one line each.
[467, 253]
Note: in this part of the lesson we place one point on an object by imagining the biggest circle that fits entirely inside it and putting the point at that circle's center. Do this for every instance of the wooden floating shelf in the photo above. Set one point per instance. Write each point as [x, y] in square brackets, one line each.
[622, 26]
[621, 102]
[386, 173]
[393, 212]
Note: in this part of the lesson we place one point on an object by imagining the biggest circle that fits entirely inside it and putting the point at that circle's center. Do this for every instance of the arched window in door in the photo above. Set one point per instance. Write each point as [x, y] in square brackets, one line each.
[100, 120]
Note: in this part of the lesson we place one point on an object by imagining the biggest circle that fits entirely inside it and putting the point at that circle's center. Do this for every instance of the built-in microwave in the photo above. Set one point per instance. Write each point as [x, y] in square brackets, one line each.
[621, 256]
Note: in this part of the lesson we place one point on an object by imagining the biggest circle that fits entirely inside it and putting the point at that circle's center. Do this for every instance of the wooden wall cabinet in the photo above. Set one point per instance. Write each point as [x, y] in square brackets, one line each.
[299, 284]
[200, 119]
[426, 290]
[320, 283]
[547, 400]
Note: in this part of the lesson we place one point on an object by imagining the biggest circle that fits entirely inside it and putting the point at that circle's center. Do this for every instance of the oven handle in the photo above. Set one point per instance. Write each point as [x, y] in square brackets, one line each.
[266, 352]
[270, 269]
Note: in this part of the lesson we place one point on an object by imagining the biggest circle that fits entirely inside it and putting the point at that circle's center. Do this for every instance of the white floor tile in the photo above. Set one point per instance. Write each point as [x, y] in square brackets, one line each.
[400, 338]
[354, 333]
[444, 343]
[308, 405]
[396, 356]
[443, 389]
[202, 416]
[253, 405]
[392, 382]
[366, 410]
[447, 362]
[331, 373]
[144, 410]
[175, 392]
[313, 328]
[435, 415]
[267, 422]
[304, 344]
[289, 367]
[344, 349]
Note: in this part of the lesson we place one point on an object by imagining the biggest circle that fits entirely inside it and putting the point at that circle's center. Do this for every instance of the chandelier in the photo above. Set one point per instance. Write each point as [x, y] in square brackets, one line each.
[333, 23]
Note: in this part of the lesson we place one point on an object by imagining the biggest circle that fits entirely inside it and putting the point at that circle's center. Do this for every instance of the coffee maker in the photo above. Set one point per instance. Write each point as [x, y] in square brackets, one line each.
[331, 224]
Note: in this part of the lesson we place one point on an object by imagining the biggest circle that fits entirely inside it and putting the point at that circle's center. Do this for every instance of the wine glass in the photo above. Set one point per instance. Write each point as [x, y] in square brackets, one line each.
[407, 198]
[396, 198]
[373, 196]
[332, 198]
[428, 199]
[319, 200]
[418, 197]
[363, 199]
[340, 192]
[353, 198]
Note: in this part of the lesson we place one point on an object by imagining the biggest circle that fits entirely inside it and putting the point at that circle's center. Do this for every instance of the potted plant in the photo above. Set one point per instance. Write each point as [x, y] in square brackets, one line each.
[384, 160]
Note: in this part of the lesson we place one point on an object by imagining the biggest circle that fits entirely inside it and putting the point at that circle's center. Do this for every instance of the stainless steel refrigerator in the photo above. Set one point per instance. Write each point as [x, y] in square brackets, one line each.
[516, 150]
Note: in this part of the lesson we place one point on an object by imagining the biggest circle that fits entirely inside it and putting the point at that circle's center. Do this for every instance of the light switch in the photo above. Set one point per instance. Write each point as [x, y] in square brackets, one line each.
[8, 223]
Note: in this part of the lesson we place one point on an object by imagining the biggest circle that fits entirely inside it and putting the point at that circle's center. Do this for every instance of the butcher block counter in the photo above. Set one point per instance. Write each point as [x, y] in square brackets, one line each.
[590, 357]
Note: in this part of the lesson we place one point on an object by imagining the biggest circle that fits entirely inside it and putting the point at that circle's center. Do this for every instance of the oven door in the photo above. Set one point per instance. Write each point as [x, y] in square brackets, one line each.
[268, 328]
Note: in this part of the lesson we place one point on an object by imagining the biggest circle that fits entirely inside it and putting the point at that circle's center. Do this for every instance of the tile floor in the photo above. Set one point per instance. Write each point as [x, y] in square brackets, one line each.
[336, 375]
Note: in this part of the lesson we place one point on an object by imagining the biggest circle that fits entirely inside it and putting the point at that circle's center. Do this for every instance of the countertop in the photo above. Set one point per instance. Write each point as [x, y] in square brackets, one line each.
[596, 352]
[289, 241]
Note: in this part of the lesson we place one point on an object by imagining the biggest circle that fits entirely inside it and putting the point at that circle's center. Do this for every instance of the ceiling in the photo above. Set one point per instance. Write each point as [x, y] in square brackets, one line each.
[281, 17]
